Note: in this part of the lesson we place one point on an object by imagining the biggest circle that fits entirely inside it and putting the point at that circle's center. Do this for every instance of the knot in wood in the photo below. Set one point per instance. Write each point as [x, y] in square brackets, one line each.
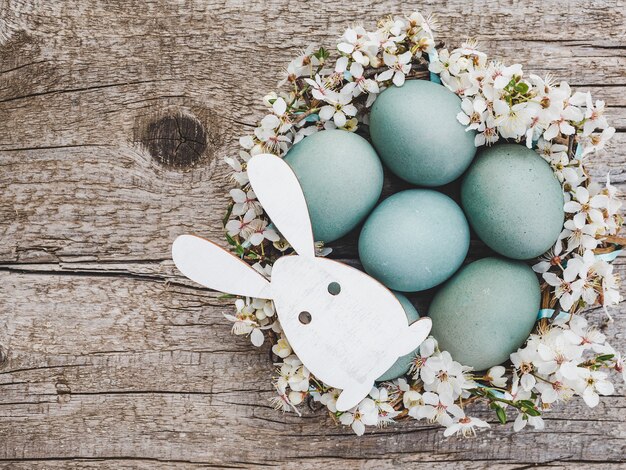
[176, 141]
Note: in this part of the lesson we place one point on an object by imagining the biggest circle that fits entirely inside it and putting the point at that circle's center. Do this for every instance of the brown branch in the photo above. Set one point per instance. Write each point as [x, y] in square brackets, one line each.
[616, 239]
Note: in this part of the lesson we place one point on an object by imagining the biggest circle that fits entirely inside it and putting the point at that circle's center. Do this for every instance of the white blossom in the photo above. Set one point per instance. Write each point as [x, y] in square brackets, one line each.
[282, 348]
[496, 376]
[512, 121]
[524, 360]
[596, 142]
[365, 413]
[465, 425]
[399, 67]
[321, 89]
[245, 201]
[586, 208]
[594, 384]
[339, 108]
[523, 419]
[244, 322]
[443, 375]
[357, 43]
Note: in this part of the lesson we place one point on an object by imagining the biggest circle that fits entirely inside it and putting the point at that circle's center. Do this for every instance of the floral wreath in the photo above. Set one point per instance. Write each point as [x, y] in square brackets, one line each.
[564, 356]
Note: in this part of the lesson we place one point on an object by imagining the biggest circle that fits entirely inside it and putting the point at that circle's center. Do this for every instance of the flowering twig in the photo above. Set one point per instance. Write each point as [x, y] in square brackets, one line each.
[565, 356]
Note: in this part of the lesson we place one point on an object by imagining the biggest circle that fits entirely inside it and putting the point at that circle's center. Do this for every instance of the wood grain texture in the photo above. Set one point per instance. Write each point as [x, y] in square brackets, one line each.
[114, 119]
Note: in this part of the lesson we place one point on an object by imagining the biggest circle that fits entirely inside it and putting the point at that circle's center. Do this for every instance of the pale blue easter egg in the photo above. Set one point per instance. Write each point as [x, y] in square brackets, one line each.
[486, 311]
[403, 364]
[414, 240]
[513, 201]
[341, 177]
[417, 135]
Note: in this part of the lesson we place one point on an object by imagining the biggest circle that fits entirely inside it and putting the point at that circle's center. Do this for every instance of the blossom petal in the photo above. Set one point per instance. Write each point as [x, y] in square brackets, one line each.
[604, 387]
[398, 79]
[256, 337]
[572, 207]
[279, 106]
[591, 398]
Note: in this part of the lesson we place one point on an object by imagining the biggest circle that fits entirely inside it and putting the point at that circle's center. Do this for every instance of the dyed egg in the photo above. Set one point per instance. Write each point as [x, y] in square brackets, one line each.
[403, 364]
[416, 133]
[414, 240]
[513, 201]
[486, 311]
[341, 177]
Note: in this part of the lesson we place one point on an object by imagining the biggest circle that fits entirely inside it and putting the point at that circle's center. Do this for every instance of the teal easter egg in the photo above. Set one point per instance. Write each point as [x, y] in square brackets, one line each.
[341, 177]
[414, 240]
[486, 311]
[403, 364]
[416, 133]
[513, 201]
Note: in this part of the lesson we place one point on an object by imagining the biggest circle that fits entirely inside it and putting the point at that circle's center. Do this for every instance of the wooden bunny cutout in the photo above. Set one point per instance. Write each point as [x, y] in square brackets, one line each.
[345, 327]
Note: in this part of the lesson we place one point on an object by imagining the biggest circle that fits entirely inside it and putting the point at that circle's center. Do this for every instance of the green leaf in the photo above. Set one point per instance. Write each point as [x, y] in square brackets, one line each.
[533, 412]
[231, 240]
[322, 54]
[227, 296]
[522, 88]
[605, 357]
[501, 414]
[227, 215]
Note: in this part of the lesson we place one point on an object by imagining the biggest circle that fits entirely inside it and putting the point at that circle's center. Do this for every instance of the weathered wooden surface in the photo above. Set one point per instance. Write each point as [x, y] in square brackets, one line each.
[114, 118]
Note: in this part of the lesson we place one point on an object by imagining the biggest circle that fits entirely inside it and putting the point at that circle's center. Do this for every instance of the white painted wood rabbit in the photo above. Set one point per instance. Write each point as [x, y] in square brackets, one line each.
[345, 327]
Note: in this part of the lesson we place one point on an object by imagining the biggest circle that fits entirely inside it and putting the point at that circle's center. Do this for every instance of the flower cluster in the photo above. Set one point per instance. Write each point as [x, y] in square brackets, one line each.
[583, 280]
[436, 384]
[564, 357]
[561, 360]
[498, 101]
[579, 277]
[252, 315]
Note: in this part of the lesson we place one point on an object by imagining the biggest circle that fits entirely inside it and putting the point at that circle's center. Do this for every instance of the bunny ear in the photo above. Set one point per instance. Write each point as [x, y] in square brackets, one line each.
[278, 189]
[206, 263]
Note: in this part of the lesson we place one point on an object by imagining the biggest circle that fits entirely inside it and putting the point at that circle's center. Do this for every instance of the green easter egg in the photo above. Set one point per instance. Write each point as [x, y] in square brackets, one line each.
[403, 364]
[486, 311]
[341, 177]
[513, 201]
[414, 240]
[416, 133]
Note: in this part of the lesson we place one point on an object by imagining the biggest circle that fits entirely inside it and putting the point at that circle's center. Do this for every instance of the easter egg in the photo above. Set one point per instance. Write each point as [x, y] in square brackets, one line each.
[341, 178]
[414, 240]
[513, 201]
[416, 133]
[403, 364]
[486, 311]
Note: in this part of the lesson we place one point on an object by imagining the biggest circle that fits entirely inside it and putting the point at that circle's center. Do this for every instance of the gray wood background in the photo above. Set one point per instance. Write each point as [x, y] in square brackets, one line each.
[114, 119]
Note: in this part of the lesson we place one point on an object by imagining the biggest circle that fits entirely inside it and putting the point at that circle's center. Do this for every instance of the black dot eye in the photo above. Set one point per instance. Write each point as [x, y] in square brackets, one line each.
[334, 288]
[304, 318]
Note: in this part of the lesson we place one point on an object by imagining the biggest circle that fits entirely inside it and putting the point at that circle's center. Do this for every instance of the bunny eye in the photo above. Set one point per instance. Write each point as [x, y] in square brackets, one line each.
[304, 318]
[334, 288]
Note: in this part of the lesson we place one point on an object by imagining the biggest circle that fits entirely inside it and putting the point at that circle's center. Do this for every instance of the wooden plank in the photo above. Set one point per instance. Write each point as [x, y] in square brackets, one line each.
[115, 120]
[108, 204]
[153, 371]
